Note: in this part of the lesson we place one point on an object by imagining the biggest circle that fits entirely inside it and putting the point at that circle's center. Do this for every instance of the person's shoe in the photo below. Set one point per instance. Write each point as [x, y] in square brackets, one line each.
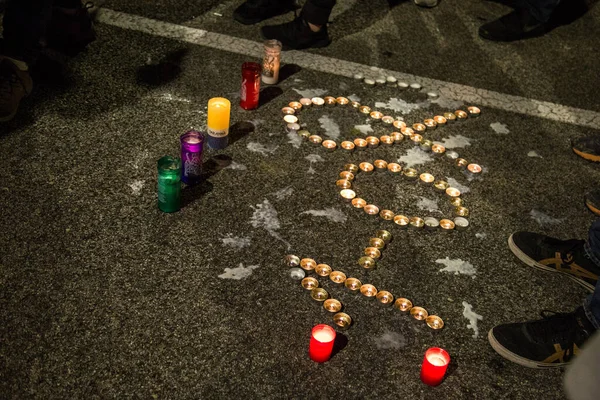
[516, 25]
[587, 147]
[567, 257]
[592, 201]
[297, 35]
[426, 3]
[255, 11]
[70, 30]
[15, 84]
[547, 343]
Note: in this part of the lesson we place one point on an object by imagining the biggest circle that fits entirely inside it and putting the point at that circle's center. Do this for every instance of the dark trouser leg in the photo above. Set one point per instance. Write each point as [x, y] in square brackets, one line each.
[317, 12]
[541, 9]
[24, 25]
[592, 304]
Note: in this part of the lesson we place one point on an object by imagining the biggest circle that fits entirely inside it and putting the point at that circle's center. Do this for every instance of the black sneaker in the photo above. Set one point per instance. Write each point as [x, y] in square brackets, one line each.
[564, 256]
[254, 11]
[587, 147]
[592, 201]
[297, 35]
[516, 25]
[70, 29]
[547, 343]
[14, 85]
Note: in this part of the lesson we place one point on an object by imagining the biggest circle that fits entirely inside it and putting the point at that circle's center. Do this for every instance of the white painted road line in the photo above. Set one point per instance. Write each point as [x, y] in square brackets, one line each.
[467, 94]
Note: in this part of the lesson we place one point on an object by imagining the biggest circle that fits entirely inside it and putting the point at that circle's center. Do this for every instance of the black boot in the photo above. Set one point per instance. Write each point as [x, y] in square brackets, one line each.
[297, 35]
[516, 25]
[70, 29]
[254, 11]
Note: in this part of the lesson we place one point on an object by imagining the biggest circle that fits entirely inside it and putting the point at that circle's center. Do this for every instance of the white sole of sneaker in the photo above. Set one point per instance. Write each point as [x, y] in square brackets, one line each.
[510, 356]
[532, 263]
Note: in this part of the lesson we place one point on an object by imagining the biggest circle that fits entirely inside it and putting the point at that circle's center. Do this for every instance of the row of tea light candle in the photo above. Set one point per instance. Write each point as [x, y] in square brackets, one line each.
[350, 171]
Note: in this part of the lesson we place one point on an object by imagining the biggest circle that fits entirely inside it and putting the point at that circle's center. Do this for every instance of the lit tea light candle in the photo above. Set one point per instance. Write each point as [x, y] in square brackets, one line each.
[430, 123]
[384, 235]
[368, 290]
[391, 81]
[290, 119]
[452, 192]
[330, 100]
[387, 215]
[440, 120]
[450, 116]
[403, 85]
[474, 111]
[446, 225]
[461, 223]
[291, 128]
[348, 194]
[403, 304]
[394, 168]
[461, 163]
[315, 139]
[306, 102]
[397, 136]
[380, 165]
[342, 101]
[332, 305]
[419, 127]
[355, 104]
[408, 132]
[319, 294]
[358, 77]
[376, 115]
[329, 145]
[342, 320]
[381, 81]
[291, 260]
[309, 283]
[347, 175]
[431, 223]
[417, 139]
[317, 101]
[337, 277]
[347, 145]
[411, 173]
[369, 82]
[372, 141]
[426, 177]
[308, 264]
[452, 155]
[360, 144]
[434, 322]
[351, 168]
[323, 269]
[353, 284]
[377, 243]
[461, 211]
[426, 145]
[343, 183]
[296, 105]
[364, 109]
[401, 220]
[415, 86]
[433, 95]
[438, 149]
[366, 167]
[288, 111]
[435, 364]
[385, 297]
[373, 253]
[398, 124]
[456, 201]
[386, 119]
[416, 222]
[297, 273]
[321, 343]
[359, 203]
[460, 114]
[371, 209]
[388, 140]
[441, 186]
[217, 126]
[366, 262]
[474, 168]
[418, 313]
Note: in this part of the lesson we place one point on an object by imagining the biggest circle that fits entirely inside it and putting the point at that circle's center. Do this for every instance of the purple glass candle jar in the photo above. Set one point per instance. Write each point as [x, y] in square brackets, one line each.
[192, 144]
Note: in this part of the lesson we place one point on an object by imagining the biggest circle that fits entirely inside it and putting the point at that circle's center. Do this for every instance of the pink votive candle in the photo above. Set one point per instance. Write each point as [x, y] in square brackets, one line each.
[321, 343]
[434, 366]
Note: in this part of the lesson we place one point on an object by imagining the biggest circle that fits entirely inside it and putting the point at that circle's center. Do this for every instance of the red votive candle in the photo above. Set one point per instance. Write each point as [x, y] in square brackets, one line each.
[321, 343]
[434, 366]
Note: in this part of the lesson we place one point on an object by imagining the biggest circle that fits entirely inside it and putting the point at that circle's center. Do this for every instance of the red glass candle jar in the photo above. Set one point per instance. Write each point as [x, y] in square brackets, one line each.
[434, 366]
[250, 85]
[321, 343]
